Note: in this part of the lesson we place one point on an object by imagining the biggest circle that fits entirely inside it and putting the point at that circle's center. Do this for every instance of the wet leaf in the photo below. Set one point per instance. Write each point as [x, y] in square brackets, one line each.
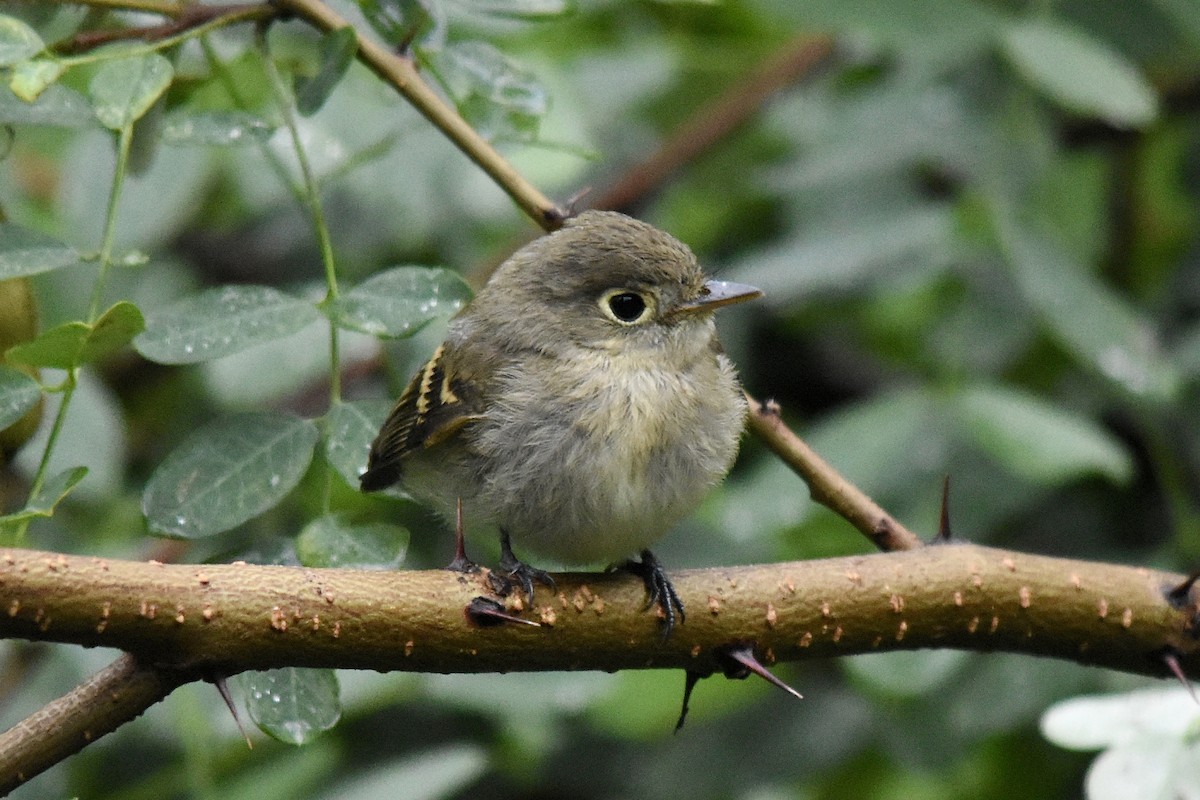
[332, 541]
[215, 128]
[400, 301]
[349, 430]
[229, 471]
[1084, 316]
[338, 49]
[25, 252]
[18, 41]
[293, 704]
[55, 489]
[18, 394]
[56, 106]
[222, 321]
[501, 100]
[123, 90]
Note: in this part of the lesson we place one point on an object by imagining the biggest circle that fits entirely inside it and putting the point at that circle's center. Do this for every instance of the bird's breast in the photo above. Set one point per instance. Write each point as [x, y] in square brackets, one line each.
[612, 454]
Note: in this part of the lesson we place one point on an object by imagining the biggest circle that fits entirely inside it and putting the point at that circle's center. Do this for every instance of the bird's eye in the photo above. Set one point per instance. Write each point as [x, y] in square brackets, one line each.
[625, 306]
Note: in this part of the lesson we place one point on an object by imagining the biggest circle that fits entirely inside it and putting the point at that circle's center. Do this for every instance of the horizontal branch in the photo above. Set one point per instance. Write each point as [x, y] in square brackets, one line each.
[228, 618]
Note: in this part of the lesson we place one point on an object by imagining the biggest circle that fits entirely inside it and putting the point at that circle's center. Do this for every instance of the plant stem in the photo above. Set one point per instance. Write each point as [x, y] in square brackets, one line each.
[124, 139]
[312, 202]
[39, 478]
[189, 22]
[167, 9]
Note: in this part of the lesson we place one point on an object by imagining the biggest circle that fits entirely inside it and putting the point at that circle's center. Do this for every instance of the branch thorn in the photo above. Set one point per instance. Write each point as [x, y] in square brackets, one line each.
[222, 685]
[460, 563]
[744, 662]
[943, 535]
[571, 208]
[1178, 596]
[487, 613]
[1172, 661]
[690, 680]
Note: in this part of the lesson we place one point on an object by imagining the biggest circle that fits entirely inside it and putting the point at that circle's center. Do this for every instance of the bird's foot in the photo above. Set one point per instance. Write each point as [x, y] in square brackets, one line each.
[513, 570]
[659, 590]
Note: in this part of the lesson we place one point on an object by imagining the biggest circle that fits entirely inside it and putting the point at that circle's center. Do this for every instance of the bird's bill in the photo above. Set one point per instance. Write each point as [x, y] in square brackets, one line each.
[717, 294]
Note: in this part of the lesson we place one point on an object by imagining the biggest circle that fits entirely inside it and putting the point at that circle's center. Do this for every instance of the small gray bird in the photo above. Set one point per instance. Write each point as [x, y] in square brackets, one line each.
[581, 402]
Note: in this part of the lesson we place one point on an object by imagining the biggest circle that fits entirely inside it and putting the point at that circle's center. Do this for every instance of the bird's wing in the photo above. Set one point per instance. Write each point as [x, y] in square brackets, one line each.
[434, 406]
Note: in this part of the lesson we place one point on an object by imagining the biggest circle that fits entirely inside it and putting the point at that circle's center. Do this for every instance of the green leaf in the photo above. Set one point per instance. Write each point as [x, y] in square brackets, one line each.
[54, 490]
[124, 89]
[31, 78]
[349, 430]
[400, 301]
[115, 329]
[222, 321]
[219, 128]
[498, 98]
[25, 252]
[59, 347]
[338, 49]
[74, 343]
[293, 704]
[18, 41]
[18, 394]
[57, 106]
[1080, 73]
[406, 21]
[1086, 318]
[228, 472]
[331, 541]
[1040, 441]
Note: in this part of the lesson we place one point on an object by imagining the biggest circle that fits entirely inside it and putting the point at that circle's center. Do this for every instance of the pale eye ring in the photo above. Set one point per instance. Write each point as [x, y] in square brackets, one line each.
[626, 306]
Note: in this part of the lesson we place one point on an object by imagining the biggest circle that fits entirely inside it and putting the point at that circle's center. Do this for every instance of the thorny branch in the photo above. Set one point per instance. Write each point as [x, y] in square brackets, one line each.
[182, 623]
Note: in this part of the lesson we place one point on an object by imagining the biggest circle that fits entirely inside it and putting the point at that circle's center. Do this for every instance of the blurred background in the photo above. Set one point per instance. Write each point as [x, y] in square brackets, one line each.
[978, 229]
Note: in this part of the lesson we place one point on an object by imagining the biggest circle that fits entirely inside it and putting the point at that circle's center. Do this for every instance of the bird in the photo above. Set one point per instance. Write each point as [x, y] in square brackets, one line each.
[580, 402]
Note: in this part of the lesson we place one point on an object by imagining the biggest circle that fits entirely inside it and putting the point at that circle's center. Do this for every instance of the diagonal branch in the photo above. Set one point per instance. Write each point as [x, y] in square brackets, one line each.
[113, 696]
[826, 484]
[710, 125]
[401, 73]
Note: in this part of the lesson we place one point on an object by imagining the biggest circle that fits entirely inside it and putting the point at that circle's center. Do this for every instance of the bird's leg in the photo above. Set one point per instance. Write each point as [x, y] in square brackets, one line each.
[516, 570]
[460, 563]
[659, 590]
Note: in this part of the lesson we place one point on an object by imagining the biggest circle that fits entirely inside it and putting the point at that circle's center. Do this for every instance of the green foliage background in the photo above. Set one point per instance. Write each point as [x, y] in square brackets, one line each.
[977, 227]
